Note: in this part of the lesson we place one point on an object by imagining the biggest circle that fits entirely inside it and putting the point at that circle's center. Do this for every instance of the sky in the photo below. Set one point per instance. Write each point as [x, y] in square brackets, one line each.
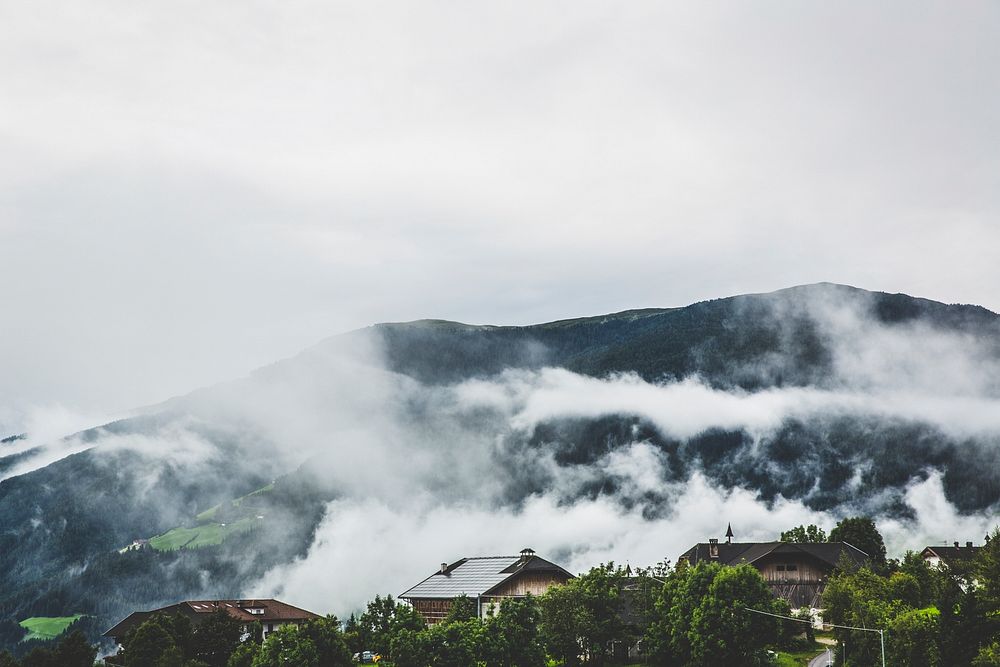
[192, 190]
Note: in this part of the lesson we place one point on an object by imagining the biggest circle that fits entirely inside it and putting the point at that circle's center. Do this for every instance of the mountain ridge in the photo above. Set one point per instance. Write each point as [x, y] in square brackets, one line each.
[348, 405]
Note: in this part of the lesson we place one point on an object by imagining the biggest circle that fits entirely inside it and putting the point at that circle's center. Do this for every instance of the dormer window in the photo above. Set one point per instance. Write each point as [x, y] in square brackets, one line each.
[256, 611]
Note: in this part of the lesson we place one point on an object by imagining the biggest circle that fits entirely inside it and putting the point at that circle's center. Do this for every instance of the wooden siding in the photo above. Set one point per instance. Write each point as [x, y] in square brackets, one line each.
[792, 570]
[433, 611]
[798, 579]
[535, 583]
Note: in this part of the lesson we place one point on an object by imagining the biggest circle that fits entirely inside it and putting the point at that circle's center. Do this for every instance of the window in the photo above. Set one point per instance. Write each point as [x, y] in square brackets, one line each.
[792, 567]
[780, 568]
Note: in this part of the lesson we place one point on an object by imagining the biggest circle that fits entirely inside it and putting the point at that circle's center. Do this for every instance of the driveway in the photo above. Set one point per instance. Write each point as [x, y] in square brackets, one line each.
[823, 659]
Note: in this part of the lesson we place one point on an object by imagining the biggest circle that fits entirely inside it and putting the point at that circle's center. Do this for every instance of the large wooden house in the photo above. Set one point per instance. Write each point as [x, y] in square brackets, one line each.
[271, 614]
[796, 572]
[488, 580]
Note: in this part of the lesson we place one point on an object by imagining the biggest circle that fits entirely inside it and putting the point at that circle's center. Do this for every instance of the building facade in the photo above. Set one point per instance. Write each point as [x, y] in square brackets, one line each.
[271, 614]
[488, 580]
[794, 572]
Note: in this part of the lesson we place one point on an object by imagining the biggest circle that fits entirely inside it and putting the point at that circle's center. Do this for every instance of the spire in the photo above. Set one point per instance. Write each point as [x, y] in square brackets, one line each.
[729, 533]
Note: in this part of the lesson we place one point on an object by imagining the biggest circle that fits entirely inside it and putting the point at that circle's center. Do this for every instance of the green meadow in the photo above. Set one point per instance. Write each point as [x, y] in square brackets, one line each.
[47, 627]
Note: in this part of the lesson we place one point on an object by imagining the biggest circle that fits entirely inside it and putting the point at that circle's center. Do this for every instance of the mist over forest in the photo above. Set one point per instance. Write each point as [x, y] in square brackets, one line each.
[366, 460]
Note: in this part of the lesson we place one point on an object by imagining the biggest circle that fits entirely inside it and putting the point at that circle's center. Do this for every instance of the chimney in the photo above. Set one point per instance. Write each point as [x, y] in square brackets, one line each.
[956, 545]
[968, 545]
[713, 548]
[444, 568]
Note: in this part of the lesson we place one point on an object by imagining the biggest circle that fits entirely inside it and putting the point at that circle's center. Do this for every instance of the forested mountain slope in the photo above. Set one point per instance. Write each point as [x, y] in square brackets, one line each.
[834, 396]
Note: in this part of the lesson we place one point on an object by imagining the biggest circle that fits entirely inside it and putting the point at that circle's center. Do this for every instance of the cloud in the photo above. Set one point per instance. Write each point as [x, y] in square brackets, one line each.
[588, 469]
[402, 544]
[191, 192]
[46, 440]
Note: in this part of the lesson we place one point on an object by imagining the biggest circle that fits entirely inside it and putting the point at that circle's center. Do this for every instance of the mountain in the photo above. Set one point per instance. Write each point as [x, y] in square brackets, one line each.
[837, 398]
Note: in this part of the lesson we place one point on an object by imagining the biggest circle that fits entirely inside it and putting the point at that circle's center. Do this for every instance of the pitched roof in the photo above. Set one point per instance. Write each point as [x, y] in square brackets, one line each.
[265, 611]
[750, 552]
[951, 554]
[478, 576]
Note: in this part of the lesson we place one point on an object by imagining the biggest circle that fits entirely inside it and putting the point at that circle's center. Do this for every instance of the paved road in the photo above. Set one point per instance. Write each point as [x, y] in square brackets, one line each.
[822, 660]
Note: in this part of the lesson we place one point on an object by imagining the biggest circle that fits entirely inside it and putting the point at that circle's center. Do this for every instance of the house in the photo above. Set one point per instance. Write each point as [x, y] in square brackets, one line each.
[796, 572]
[271, 614]
[489, 580]
[955, 557]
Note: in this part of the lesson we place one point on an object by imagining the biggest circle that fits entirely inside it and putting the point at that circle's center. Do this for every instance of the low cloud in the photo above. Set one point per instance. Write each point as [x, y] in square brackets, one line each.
[589, 469]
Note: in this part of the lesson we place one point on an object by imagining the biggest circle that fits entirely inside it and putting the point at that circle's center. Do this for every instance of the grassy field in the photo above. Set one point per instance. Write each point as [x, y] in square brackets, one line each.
[210, 513]
[47, 627]
[199, 536]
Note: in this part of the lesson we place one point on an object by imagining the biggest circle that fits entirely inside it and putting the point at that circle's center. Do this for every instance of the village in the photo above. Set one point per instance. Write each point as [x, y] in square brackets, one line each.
[804, 599]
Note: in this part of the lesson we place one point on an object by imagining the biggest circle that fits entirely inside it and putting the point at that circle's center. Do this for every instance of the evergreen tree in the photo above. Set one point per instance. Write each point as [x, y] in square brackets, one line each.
[75, 651]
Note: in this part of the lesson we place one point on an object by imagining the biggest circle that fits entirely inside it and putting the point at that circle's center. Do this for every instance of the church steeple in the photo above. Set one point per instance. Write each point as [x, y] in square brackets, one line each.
[729, 533]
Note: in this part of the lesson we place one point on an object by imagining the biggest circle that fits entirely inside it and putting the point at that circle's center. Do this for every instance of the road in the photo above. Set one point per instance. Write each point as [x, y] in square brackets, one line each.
[823, 659]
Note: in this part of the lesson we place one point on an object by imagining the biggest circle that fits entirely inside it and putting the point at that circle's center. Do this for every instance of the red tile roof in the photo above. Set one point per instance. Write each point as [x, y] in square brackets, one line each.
[270, 611]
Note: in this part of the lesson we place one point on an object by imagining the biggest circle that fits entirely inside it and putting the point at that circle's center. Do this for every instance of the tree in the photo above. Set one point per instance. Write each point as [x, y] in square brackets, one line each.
[913, 639]
[244, 655]
[582, 617]
[215, 638]
[861, 532]
[701, 617]
[352, 635]
[463, 608]
[511, 639]
[723, 631]
[454, 644]
[326, 636]
[859, 599]
[988, 656]
[986, 570]
[75, 651]
[804, 535]
[287, 646]
[381, 622]
[7, 660]
[40, 657]
[148, 642]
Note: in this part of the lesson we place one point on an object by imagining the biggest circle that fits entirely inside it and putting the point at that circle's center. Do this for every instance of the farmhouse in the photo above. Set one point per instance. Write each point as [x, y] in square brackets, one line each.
[953, 557]
[795, 572]
[271, 614]
[489, 580]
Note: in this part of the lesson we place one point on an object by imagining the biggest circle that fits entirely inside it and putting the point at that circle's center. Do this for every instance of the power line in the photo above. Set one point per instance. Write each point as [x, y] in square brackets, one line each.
[881, 633]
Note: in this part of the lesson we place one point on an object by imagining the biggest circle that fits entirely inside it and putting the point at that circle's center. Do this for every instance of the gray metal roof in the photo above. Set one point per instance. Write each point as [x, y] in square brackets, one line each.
[469, 576]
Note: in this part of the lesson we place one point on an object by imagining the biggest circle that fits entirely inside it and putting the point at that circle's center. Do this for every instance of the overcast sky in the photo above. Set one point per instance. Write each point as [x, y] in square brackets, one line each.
[189, 190]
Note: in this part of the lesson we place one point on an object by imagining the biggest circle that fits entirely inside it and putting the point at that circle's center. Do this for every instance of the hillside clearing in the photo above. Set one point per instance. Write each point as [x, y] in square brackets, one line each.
[210, 534]
[47, 627]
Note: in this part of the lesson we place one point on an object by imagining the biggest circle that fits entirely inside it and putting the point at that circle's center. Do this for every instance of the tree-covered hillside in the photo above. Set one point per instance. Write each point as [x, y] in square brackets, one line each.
[833, 396]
